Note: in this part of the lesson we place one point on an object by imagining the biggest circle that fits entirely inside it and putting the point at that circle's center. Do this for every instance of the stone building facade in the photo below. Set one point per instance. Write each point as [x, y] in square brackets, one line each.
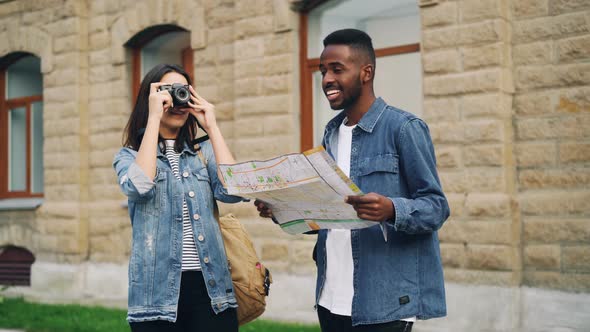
[506, 87]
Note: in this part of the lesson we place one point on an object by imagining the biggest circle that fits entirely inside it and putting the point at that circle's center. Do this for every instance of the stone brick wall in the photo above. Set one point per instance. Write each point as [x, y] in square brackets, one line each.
[551, 56]
[466, 47]
[265, 115]
[244, 63]
[506, 94]
[55, 32]
[506, 86]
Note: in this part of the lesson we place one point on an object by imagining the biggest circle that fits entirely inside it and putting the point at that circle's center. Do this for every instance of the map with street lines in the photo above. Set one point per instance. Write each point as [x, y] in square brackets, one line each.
[304, 190]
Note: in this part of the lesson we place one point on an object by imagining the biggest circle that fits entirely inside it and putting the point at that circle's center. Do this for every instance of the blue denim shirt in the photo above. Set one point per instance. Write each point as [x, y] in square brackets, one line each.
[155, 208]
[392, 154]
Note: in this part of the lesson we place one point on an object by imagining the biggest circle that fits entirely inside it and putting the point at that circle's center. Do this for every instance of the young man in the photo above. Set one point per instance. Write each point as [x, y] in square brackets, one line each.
[365, 283]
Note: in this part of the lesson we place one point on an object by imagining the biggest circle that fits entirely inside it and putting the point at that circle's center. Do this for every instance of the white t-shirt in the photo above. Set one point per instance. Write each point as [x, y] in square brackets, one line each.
[339, 288]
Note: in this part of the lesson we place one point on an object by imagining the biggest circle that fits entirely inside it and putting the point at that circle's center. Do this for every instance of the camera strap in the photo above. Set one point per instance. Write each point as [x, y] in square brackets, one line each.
[194, 142]
[202, 138]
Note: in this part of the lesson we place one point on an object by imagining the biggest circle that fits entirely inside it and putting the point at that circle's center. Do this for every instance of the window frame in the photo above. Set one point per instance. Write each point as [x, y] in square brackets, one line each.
[5, 106]
[143, 38]
[307, 67]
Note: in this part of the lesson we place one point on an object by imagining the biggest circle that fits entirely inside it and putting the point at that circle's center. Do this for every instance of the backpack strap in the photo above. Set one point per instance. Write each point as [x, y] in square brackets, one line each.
[200, 154]
[204, 160]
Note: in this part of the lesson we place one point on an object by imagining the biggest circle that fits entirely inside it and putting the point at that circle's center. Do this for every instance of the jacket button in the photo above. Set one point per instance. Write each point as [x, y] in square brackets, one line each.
[206, 260]
[211, 282]
[185, 174]
[191, 194]
[218, 305]
[196, 216]
[201, 238]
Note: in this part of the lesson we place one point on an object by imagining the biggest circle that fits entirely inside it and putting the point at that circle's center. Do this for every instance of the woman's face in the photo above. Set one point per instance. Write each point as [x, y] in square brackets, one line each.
[173, 118]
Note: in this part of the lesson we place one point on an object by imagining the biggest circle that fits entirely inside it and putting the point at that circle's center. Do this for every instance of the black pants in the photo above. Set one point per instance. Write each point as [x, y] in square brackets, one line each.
[330, 322]
[194, 311]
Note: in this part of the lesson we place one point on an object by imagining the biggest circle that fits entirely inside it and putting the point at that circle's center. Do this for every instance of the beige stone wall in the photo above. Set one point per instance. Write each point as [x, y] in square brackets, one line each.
[244, 63]
[55, 31]
[506, 86]
[245, 58]
[506, 93]
[466, 47]
[551, 118]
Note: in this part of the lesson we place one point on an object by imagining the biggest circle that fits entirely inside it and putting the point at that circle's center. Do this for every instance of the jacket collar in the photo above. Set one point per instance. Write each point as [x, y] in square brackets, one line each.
[186, 149]
[369, 119]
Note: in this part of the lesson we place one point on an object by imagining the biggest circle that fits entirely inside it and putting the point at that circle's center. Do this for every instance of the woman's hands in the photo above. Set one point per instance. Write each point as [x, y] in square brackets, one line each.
[202, 110]
[159, 101]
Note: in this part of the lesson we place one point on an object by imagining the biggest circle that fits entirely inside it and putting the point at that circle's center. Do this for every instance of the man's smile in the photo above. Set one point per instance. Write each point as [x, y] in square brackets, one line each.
[333, 94]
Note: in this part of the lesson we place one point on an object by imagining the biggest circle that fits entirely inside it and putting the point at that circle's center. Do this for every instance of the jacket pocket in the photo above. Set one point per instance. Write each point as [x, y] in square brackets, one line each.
[202, 175]
[381, 163]
[203, 184]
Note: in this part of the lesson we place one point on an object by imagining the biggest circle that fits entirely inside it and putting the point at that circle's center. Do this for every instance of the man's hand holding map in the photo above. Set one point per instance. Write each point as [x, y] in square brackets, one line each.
[304, 190]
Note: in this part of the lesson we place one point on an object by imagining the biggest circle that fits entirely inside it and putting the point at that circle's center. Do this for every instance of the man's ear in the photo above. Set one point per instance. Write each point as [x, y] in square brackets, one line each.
[367, 73]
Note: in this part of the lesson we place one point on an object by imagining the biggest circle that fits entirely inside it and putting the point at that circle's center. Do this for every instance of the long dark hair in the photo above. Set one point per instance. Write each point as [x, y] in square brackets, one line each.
[137, 123]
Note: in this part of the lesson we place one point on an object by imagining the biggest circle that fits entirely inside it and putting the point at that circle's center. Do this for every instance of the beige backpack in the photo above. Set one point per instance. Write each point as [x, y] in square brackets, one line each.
[251, 280]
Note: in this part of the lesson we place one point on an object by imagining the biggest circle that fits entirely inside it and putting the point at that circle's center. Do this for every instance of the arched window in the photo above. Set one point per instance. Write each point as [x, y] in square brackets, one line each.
[21, 126]
[155, 45]
[394, 26]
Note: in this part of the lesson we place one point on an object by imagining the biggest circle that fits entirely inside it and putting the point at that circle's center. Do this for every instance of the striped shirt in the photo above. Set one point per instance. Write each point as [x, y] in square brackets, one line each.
[190, 256]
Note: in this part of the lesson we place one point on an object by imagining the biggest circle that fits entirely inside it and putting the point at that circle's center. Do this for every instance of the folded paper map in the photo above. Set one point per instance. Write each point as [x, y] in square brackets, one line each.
[304, 190]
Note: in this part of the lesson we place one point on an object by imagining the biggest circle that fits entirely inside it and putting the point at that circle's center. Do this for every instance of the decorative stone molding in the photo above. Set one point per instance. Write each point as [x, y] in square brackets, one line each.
[30, 40]
[282, 16]
[427, 3]
[302, 5]
[132, 22]
[13, 232]
[198, 29]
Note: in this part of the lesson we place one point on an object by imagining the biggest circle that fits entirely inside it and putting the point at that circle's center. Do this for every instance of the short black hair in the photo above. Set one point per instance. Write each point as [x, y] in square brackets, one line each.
[355, 39]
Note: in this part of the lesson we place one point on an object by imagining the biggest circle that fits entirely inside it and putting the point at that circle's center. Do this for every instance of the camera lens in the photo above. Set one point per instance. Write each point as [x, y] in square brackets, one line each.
[182, 94]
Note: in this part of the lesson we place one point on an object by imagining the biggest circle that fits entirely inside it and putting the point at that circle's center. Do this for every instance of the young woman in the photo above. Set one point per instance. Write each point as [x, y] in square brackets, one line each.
[178, 272]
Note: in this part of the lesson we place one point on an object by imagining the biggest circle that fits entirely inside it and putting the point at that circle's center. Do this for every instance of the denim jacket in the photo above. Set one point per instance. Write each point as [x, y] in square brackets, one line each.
[392, 154]
[155, 209]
